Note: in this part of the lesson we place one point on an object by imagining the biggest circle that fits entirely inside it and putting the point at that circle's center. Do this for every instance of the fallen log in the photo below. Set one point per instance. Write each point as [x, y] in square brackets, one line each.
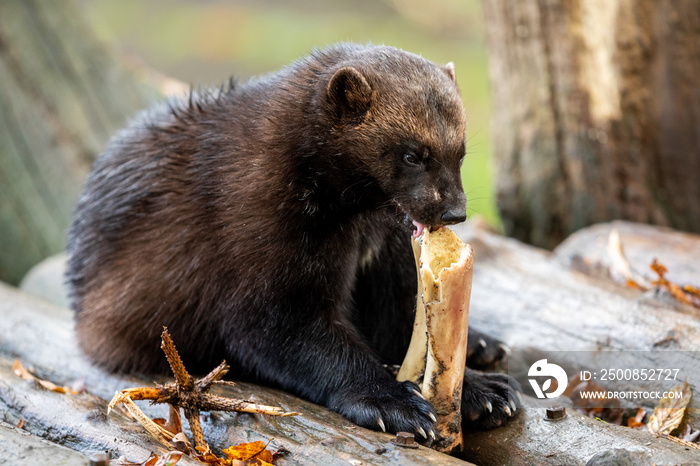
[530, 439]
[543, 304]
[548, 306]
[21, 447]
[41, 335]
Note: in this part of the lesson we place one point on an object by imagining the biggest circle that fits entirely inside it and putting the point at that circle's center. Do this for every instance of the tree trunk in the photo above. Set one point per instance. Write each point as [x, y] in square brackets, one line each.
[596, 113]
[61, 97]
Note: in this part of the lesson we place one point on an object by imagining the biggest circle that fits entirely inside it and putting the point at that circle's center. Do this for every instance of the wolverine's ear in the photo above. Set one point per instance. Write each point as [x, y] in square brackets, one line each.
[449, 70]
[349, 93]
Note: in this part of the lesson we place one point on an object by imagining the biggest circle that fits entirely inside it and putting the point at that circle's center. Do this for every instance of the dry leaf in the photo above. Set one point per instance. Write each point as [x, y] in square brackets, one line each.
[637, 421]
[212, 460]
[632, 284]
[621, 270]
[169, 459]
[619, 265]
[173, 424]
[686, 294]
[23, 373]
[249, 451]
[669, 412]
[603, 407]
[659, 269]
[193, 396]
[122, 398]
[573, 383]
[182, 443]
[691, 290]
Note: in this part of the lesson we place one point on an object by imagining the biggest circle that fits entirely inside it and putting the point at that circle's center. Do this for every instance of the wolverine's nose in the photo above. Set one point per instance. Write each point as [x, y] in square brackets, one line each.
[453, 216]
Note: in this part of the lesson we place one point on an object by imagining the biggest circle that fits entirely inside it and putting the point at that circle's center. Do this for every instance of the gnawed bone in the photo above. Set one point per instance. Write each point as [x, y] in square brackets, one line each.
[438, 350]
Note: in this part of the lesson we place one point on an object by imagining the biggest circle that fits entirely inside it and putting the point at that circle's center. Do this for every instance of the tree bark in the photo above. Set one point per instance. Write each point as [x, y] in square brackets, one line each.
[62, 95]
[596, 113]
[565, 306]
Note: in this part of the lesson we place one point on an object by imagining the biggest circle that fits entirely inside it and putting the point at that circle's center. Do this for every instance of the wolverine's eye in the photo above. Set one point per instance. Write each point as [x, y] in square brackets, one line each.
[410, 159]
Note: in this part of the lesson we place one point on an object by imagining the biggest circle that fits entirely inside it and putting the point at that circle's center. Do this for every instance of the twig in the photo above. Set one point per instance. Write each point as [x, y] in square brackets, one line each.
[184, 379]
[190, 395]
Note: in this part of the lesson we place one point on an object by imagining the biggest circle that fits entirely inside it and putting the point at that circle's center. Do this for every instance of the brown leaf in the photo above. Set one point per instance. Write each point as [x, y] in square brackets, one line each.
[602, 407]
[213, 460]
[677, 292]
[151, 460]
[573, 383]
[122, 398]
[23, 373]
[169, 458]
[637, 420]
[173, 424]
[632, 284]
[686, 294]
[250, 451]
[658, 268]
[669, 412]
[693, 294]
[691, 290]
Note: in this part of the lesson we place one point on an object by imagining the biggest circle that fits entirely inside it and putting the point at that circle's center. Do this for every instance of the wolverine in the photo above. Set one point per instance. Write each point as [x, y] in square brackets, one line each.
[269, 224]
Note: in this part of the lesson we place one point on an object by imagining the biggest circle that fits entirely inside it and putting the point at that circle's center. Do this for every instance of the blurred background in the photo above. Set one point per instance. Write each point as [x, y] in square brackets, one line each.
[72, 72]
[592, 113]
[206, 42]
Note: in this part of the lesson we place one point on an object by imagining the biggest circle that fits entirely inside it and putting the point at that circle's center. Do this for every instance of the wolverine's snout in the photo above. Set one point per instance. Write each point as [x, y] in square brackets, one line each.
[453, 216]
[436, 214]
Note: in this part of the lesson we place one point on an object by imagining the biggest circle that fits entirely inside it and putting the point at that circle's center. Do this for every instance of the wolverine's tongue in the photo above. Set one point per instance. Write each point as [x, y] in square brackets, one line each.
[419, 229]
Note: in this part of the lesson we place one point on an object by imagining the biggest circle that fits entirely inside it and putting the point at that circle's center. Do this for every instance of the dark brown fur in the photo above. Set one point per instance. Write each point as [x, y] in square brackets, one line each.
[268, 224]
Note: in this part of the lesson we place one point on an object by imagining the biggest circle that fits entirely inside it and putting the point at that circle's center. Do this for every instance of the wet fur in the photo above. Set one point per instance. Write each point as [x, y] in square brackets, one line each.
[268, 224]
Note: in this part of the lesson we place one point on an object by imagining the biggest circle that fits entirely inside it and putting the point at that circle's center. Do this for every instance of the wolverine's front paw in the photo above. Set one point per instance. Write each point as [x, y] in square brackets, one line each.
[489, 400]
[387, 405]
[483, 351]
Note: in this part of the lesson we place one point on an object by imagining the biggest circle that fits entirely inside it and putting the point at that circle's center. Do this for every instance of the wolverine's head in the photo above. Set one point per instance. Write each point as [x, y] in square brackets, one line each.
[398, 121]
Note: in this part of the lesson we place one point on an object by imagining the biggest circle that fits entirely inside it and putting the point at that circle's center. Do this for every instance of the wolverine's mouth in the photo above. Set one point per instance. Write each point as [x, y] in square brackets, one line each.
[418, 226]
[419, 229]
